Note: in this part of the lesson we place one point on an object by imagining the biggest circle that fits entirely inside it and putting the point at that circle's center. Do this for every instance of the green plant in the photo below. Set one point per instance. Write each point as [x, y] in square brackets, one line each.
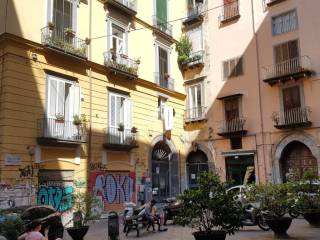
[134, 130]
[210, 207]
[59, 117]
[120, 127]
[183, 48]
[83, 202]
[79, 120]
[273, 198]
[69, 32]
[11, 227]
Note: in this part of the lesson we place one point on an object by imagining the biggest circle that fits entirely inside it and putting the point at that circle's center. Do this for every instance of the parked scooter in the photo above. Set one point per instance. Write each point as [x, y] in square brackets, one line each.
[253, 216]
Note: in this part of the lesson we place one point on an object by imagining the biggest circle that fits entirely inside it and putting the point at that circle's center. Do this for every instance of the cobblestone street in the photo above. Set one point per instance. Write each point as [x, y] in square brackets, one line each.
[299, 230]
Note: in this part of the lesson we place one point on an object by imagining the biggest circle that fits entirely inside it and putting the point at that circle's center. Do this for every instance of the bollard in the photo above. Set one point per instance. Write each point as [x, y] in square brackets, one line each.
[113, 226]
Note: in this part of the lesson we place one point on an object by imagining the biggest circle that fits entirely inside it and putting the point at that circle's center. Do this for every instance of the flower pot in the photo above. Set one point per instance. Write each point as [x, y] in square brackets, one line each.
[212, 235]
[313, 218]
[77, 233]
[279, 225]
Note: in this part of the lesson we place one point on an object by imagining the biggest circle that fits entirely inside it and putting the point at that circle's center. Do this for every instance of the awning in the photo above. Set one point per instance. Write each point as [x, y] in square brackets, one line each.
[229, 96]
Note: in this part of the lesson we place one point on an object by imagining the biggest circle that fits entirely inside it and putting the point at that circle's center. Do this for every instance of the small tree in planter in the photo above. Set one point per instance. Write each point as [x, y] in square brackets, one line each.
[82, 202]
[210, 209]
[307, 192]
[275, 201]
[183, 48]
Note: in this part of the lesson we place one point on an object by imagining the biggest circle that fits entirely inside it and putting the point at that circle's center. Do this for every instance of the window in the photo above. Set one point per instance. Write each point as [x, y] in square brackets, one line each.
[62, 13]
[286, 51]
[195, 101]
[119, 111]
[162, 64]
[161, 11]
[118, 39]
[63, 98]
[233, 68]
[291, 97]
[161, 105]
[195, 37]
[231, 108]
[284, 23]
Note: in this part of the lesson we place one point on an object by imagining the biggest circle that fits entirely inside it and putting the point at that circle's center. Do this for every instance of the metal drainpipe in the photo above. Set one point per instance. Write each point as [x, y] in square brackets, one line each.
[259, 91]
[90, 90]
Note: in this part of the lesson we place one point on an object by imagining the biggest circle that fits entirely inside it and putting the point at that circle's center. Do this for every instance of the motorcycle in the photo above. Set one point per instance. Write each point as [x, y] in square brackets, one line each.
[253, 216]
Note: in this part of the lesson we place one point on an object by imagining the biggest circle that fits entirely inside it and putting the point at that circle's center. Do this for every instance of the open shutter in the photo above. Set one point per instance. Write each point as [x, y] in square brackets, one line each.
[162, 11]
[293, 49]
[52, 97]
[76, 105]
[127, 113]
[112, 111]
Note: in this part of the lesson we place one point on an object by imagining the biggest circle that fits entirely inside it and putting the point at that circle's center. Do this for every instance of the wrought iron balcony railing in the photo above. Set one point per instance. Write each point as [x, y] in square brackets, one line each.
[117, 137]
[230, 12]
[51, 128]
[289, 68]
[164, 80]
[121, 63]
[195, 13]
[233, 127]
[196, 58]
[130, 4]
[64, 41]
[195, 114]
[292, 118]
[162, 25]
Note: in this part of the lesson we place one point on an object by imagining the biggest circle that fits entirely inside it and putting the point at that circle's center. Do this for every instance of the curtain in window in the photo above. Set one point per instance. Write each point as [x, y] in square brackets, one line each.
[195, 37]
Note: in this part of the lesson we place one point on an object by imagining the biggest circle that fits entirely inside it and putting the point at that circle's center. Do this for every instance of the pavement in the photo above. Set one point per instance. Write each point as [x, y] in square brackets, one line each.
[299, 230]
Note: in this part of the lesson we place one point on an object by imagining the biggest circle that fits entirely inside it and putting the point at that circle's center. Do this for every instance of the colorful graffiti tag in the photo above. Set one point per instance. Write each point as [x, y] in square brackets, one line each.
[114, 188]
[59, 197]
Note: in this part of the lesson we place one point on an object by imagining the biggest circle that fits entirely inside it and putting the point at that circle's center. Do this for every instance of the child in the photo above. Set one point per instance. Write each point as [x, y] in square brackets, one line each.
[33, 232]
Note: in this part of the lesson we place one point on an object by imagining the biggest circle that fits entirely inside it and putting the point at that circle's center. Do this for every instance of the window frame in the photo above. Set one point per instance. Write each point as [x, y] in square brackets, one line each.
[126, 97]
[286, 42]
[282, 15]
[229, 67]
[239, 100]
[289, 85]
[110, 22]
[166, 48]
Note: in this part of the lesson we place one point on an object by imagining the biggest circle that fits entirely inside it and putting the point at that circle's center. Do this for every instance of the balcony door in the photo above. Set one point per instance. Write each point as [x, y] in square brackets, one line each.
[195, 37]
[292, 105]
[287, 57]
[119, 116]
[231, 109]
[195, 101]
[63, 103]
[163, 61]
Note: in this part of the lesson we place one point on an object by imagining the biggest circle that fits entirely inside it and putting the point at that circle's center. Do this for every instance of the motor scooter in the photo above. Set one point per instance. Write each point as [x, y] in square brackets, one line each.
[253, 216]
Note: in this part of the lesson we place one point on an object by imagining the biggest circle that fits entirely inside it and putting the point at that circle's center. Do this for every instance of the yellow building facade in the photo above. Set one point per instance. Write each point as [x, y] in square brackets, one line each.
[91, 96]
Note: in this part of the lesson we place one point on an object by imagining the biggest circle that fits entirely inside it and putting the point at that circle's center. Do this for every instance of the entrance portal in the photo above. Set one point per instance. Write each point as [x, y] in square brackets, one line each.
[197, 162]
[296, 158]
[240, 169]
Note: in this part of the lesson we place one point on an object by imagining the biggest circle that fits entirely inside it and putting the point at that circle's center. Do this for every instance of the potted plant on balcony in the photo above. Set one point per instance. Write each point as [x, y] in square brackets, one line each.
[275, 202]
[59, 118]
[51, 25]
[183, 48]
[79, 120]
[69, 32]
[120, 127]
[82, 204]
[134, 130]
[210, 209]
[87, 41]
[166, 76]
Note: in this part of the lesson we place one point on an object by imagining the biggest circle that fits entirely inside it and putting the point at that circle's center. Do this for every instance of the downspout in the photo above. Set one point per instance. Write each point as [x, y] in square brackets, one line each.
[90, 92]
[260, 97]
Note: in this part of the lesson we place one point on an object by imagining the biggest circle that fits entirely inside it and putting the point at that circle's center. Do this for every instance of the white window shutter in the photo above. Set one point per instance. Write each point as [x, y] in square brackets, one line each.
[112, 110]
[127, 113]
[77, 100]
[52, 96]
[195, 37]
[61, 98]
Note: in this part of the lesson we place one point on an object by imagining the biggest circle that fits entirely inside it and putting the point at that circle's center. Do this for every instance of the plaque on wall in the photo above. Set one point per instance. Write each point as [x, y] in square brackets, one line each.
[12, 160]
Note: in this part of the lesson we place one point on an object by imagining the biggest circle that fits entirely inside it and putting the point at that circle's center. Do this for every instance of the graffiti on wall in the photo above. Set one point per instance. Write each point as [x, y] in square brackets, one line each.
[59, 197]
[16, 195]
[113, 187]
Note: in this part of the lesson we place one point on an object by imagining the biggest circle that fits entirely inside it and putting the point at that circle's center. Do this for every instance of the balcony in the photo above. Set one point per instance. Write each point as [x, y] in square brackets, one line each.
[120, 64]
[270, 3]
[164, 80]
[293, 68]
[54, 132]
[162, 27]
[197, 114]
[62, 41]
[127, 6]
[195, 14]
[233, 128]
[196, 59]
[230, 12]
[120, 139]
[292, 118]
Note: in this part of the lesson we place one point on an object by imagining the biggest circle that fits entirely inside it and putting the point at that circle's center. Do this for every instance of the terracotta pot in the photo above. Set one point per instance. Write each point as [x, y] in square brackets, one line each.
[279, 225]
[212, 235]
[77, 233]
[313, 218]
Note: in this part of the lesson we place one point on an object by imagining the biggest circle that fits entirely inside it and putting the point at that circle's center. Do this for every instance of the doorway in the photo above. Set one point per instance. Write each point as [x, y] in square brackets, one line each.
[240, 169]
[197, 162]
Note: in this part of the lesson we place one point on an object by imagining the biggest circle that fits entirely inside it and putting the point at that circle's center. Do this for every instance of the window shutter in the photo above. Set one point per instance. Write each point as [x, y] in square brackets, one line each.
[225, 69]
[239, 66]
[195, 37]
[112, 110]
[162, 11]
[52, 96]
[277, 52]
[76, 108]
[293, 49]
[127, 113]
[232, 70]
[285, 52]
[61, 98]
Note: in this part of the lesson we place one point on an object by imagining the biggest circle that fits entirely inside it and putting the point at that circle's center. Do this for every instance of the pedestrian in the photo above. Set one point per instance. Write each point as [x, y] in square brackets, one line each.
[33, 232]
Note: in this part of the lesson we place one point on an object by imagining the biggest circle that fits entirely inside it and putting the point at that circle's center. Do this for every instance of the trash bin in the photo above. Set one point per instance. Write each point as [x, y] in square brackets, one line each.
[113, 226]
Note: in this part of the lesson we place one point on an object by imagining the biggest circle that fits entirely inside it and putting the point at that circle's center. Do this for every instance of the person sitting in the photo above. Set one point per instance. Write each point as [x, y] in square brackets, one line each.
[33, 232]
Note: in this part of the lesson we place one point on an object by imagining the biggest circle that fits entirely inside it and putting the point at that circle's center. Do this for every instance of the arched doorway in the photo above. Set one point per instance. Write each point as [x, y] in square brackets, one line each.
[197, 162]
[296, 159]
[165, 171]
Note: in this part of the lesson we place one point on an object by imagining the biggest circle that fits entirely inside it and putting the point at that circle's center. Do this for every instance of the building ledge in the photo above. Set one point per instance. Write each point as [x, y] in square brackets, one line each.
[119, 147]
[226, 134]
[128, 10]
[305, 124]
[270, 3]
[230, 19]
[54, 142]
[303, 73]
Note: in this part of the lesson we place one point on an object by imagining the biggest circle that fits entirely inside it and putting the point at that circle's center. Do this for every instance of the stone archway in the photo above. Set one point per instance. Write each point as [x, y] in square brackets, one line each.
[280, 146]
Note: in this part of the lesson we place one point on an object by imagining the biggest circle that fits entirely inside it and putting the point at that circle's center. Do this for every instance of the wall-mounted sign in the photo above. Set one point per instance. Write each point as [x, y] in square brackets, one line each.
[12, 160]
[193, 176]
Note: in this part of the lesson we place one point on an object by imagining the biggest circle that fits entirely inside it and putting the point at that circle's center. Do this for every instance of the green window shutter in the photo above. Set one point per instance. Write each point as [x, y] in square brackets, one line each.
[162, 10]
